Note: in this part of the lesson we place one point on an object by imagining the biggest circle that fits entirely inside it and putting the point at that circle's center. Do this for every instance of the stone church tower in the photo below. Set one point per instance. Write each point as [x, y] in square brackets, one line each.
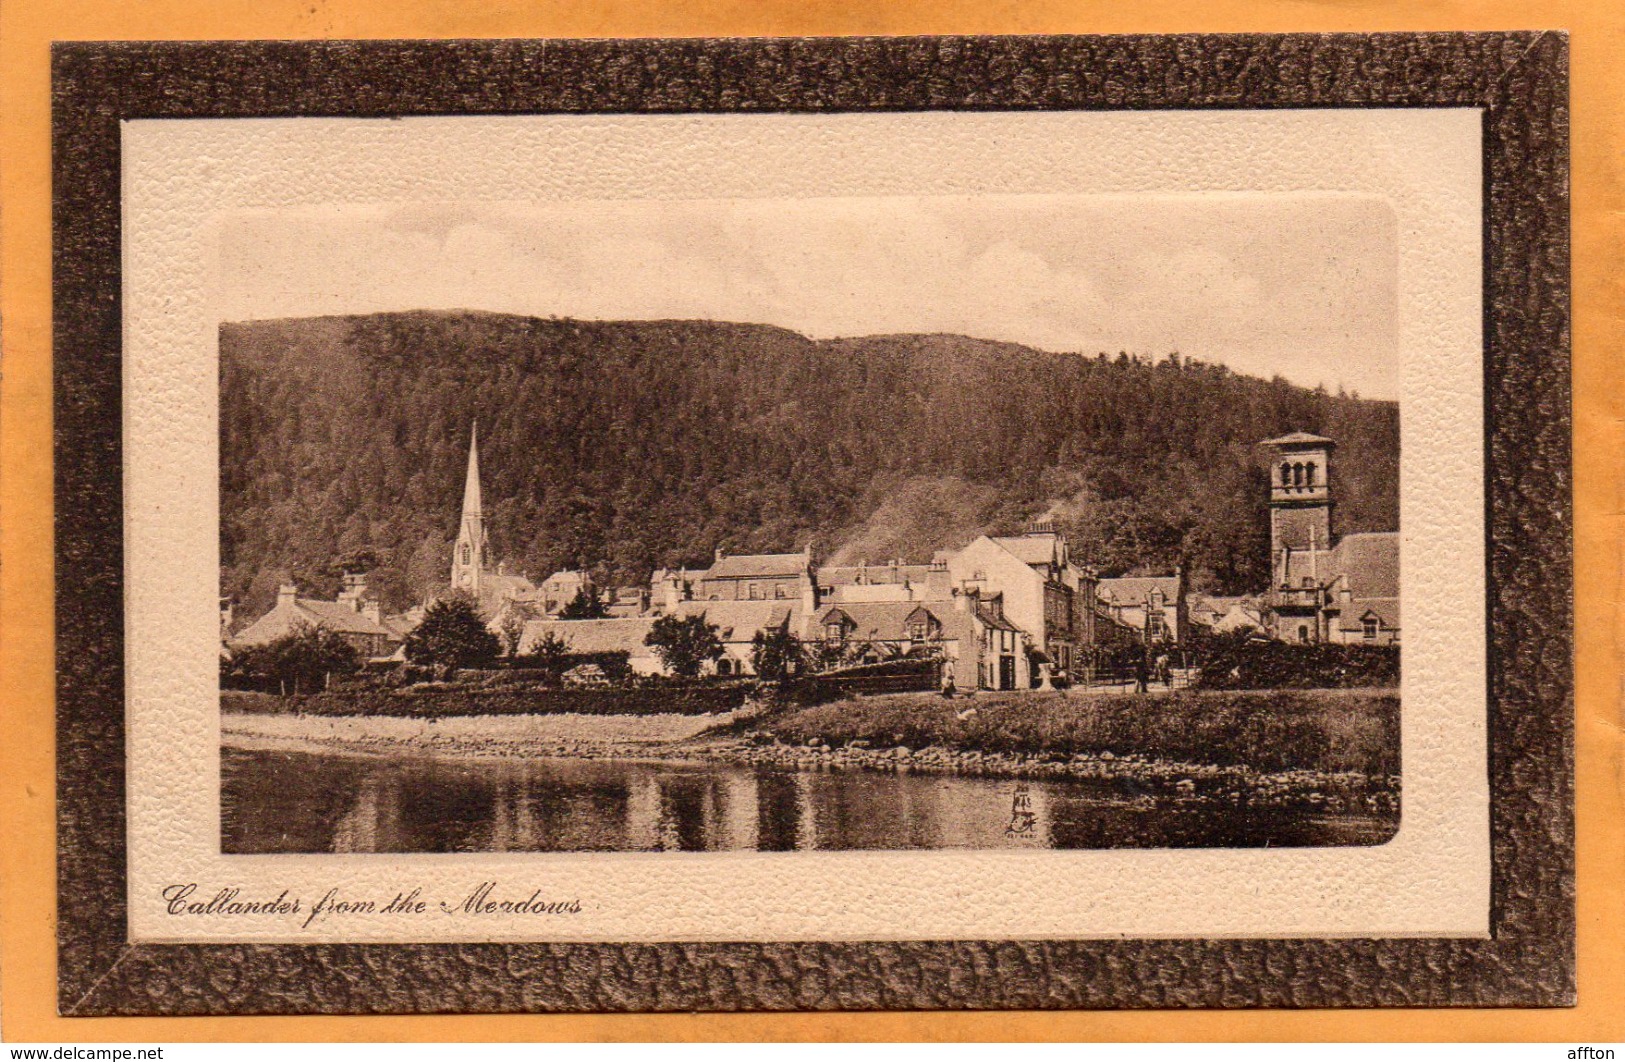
[468, 555]
[1300, 494]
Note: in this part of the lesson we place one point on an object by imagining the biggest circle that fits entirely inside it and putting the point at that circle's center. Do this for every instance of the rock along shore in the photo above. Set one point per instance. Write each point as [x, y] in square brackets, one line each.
[688, 740]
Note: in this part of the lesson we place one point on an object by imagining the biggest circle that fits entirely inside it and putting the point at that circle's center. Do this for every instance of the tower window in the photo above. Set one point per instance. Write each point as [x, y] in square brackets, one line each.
[1309, 475]
[465, 554]
[1286, 474]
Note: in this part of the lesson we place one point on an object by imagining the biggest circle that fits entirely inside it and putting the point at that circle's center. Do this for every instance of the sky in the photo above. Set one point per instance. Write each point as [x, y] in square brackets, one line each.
[1301, 285]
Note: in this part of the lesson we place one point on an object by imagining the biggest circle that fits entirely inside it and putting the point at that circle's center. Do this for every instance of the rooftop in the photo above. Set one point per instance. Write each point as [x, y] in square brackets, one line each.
[758, 566]
[1299, 438]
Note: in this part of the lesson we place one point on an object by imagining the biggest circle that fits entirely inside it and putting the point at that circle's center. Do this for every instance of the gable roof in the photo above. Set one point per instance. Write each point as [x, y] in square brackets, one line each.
[335, 616]
[1369, 563]
[887, 621]
[590, 635]
[1384, 609]
[738, 621]
[1135, 591]
[758, 566]
[1031, 549]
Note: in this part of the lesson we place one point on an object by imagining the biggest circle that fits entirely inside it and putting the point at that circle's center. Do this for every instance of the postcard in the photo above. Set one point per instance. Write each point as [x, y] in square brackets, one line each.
[918, 528]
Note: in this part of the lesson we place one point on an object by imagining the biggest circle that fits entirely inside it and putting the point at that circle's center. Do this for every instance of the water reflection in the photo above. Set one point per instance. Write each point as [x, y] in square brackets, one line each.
[293, 802]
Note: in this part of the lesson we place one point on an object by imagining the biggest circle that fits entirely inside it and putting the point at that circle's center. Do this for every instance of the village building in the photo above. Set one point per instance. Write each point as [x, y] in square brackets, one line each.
[353, 617]
[737, 624]
[972, 637]
[561, 588]
[1153, 608]
[892, 581]
[598, 636]
[1226, 614]
[1039, 590]
[757, 577]
[1325, 587]
[626, 601]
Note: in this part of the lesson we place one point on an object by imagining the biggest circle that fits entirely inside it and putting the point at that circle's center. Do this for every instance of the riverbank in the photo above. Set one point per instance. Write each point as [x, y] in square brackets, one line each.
[1335, 751]
[504, 736]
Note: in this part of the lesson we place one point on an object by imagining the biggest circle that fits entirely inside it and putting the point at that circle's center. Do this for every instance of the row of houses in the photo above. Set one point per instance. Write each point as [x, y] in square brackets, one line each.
[1002, 610]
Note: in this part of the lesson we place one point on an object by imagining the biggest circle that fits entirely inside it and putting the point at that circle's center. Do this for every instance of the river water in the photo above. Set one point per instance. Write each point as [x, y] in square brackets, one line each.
[299, 802]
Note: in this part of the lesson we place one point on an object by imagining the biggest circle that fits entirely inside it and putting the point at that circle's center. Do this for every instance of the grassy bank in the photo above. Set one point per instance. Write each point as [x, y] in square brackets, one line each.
[1316, 730]
[446, 700]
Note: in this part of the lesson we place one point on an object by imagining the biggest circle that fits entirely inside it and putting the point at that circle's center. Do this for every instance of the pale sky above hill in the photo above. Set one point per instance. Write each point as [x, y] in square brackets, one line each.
[1303, 285]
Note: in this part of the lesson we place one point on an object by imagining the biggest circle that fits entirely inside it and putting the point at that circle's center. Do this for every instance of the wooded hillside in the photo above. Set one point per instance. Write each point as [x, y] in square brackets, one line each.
[623, 446]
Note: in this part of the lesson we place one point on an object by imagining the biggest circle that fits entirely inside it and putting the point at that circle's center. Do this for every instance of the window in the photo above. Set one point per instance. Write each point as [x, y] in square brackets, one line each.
[1286, 474]
[1368, 627]
[1309, 474]
[778, 591]
[834, 632]
[754, 591]
[1303, 632]
[1297, 475]
[918, 631]
[465, 553]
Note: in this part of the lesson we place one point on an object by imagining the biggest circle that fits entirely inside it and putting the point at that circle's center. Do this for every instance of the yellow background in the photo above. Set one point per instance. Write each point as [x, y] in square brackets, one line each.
[27, 880]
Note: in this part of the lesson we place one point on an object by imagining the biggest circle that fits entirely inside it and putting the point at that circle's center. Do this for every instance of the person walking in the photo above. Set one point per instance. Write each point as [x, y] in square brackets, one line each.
[948, 679]
[1141, 675]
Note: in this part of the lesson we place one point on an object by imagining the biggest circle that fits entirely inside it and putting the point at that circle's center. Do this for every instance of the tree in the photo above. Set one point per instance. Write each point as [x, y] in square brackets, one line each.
[452, 636]
[684, 644]
[552, 655]
[776, 655]
[511, 627]
[585, 605]
[299, 661]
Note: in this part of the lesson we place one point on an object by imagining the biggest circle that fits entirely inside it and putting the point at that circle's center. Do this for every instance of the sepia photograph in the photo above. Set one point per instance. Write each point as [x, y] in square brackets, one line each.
[815, 523]
[866, 524]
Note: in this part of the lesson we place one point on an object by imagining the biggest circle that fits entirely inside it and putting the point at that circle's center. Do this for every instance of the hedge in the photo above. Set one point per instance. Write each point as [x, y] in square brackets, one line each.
[436, 700]
[1237, 664]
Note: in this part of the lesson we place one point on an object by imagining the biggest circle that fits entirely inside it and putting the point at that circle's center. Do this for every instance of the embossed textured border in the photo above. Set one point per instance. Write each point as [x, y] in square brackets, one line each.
[1518, 79]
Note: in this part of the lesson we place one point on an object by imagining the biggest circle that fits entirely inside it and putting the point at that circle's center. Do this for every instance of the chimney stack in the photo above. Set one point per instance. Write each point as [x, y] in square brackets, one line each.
[285, 595]
[355, 586]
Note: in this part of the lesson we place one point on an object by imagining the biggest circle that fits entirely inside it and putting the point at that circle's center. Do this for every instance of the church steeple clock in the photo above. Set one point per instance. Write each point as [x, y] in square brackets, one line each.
[468, 555]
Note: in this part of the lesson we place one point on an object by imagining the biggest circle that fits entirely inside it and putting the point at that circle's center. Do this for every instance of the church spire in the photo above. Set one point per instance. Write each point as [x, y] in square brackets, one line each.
[468, 555]
[471, 486]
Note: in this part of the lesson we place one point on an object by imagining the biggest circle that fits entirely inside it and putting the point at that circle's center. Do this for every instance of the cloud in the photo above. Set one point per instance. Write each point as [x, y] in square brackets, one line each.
[1299, 285]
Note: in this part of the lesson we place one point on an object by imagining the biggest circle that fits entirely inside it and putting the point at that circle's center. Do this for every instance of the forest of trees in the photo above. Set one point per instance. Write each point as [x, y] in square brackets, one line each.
[625, 446]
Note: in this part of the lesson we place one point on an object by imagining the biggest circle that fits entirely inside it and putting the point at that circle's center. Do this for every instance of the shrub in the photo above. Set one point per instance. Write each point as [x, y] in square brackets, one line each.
[684, 644]
[298, 662]
[776, 656]
[1240, 663]
[452, 636]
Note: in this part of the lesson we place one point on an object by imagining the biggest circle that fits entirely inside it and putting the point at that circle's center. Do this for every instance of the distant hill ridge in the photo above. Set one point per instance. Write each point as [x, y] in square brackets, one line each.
[627, 445]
